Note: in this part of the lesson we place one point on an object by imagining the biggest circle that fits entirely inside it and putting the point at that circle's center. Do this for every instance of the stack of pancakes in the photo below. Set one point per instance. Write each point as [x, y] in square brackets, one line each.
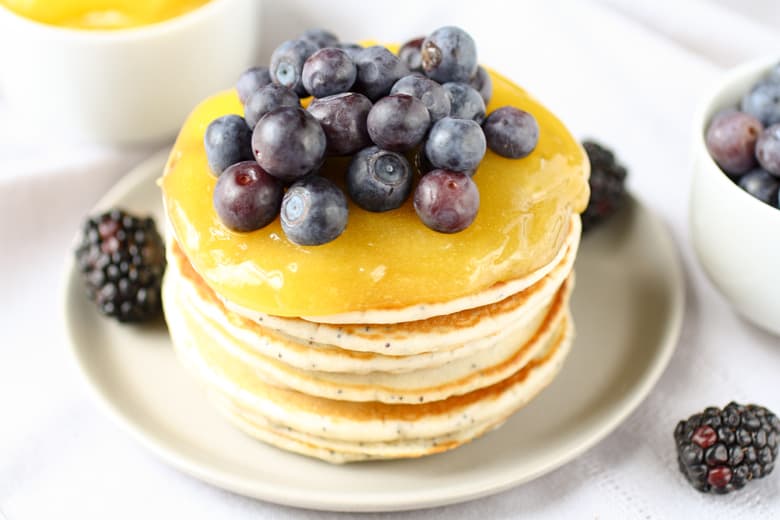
[392, 341]
[366, 390]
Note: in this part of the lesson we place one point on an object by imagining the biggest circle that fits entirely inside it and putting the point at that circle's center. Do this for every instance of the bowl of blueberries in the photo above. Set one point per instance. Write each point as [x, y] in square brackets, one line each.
[735, 206]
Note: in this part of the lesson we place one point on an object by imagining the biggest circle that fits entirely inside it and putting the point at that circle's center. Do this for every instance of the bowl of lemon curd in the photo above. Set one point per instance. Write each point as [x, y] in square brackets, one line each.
[120, 71]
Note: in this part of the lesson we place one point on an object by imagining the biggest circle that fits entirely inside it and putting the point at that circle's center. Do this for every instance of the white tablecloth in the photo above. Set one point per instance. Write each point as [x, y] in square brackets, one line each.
[628, 73]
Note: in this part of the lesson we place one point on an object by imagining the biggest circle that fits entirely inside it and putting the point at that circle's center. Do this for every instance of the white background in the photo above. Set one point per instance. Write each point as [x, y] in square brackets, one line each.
[627, 72]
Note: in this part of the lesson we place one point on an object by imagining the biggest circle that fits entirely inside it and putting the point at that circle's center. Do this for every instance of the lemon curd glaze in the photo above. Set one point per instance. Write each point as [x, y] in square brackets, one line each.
[100, 14]
[382, 260]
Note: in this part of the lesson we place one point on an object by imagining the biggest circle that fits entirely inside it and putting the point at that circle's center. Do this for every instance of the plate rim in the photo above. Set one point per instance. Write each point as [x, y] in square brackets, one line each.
[362, 502]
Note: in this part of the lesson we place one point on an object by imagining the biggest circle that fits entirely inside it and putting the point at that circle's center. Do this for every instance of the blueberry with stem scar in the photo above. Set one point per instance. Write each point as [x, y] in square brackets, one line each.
[379, 180]
[314, 211]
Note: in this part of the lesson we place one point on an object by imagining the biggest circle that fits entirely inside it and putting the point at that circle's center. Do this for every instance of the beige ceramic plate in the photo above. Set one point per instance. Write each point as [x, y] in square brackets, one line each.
[628, 307]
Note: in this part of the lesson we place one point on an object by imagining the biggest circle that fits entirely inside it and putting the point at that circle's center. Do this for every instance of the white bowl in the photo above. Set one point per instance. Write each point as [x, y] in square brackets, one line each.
[736, 236]
[127, 85]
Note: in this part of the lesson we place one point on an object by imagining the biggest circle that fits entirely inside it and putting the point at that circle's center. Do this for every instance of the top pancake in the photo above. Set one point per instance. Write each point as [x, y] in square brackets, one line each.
[383, 261]
[424, 311]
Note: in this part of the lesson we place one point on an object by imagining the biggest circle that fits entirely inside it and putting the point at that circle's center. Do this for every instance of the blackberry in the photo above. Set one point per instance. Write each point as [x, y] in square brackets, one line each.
[720, 451]
[122, 259]
[607, 185]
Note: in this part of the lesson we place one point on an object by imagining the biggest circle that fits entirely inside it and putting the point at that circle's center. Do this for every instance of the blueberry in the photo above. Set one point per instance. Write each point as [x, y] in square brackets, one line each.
[314, 211]
[731, 140]
[410, 54]
[228, 140]
[343, 118]
[511, 132]
[446, 201]
[246, 198]
[465, 102]
[320, 37]
[763, 102]
[352, 49]
[423, 164]
[482, 83]
[762, 185]
[266, 99]
[768, 150]
[398, 122]
[252, 80]
[456, 144]
[287, 64]
[378, 180]
[433, 95]
[377, 70]
[449, 54]
[328, 71]
[288, 143]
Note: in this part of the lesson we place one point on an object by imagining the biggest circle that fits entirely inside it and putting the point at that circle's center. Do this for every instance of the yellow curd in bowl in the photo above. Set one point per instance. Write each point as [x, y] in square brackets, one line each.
[100, 14]
[382, 260]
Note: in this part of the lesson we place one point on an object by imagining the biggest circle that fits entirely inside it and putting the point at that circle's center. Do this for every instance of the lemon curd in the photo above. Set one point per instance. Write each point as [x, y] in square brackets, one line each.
[100, 14]
[382, 260]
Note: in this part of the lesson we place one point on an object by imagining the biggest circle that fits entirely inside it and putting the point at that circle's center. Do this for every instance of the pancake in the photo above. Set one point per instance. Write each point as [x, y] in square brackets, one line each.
[384, 262]
[499, 291]
[339, 452]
